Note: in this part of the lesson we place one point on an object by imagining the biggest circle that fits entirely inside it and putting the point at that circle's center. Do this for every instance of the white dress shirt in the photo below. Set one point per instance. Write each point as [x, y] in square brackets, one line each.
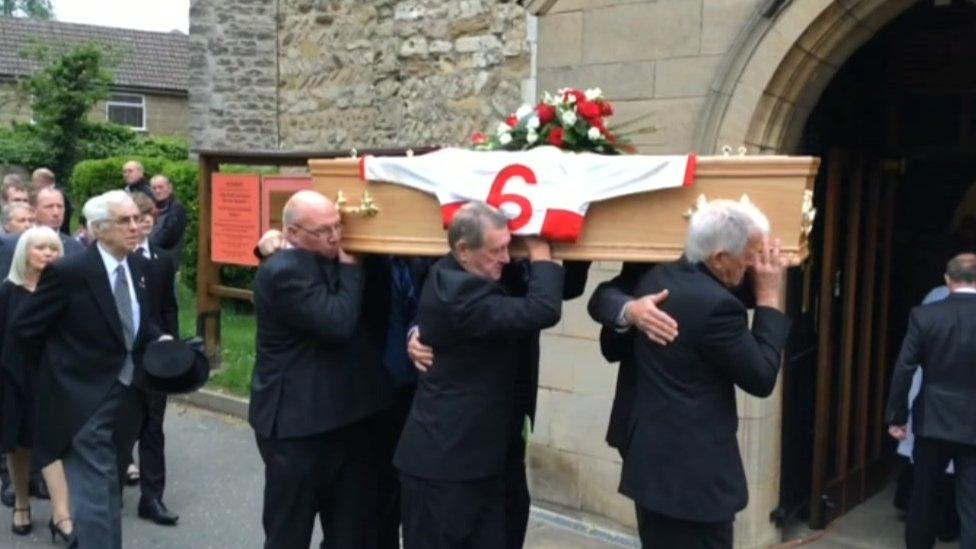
[110, 265]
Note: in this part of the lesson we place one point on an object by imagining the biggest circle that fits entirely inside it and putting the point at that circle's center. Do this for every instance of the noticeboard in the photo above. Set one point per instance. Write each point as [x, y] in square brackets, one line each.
[235, 218]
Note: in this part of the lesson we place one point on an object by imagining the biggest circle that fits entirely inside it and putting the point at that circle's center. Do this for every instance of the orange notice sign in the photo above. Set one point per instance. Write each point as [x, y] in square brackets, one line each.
[235, 218]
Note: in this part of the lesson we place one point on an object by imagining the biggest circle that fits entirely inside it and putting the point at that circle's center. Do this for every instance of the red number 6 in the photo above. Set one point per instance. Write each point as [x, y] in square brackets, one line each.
[496, 197]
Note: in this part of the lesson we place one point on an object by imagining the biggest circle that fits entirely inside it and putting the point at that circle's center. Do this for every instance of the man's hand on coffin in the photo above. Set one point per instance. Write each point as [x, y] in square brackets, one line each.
[898, 432]
[421, 355]
[769, 270]
[271, 242]
[644, 314]
[348, 259]
[539, 248]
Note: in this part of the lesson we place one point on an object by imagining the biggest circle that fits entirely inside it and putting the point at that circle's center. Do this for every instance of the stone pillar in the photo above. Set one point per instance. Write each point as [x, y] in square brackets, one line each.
[233, 75]
[760, 421]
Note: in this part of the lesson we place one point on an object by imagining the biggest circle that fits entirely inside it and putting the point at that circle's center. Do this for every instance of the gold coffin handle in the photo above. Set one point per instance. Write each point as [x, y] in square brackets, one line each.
[366, 208]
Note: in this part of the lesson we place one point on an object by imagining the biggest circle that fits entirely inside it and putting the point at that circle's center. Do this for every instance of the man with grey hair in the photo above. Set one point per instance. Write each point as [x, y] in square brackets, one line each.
[16, 218]
[453, 452]
[318, 384]
[87, 325]
[940, 341]
[134, 176]
[682, 465]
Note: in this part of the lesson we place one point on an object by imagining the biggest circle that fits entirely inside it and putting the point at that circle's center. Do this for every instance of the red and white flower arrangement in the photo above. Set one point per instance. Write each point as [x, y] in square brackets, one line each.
[571, 119]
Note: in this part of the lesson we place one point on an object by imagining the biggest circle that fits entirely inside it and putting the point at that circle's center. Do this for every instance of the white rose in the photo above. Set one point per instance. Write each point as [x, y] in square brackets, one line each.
[523, 111]
[594, 133]
[505, 138]
[569, 98]
[593, 93]
[533, 123]
[503, 128]
[568, 117]
[531, 137]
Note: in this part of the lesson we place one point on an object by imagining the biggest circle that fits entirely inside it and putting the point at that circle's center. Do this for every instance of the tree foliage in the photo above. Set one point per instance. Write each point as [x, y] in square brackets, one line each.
[61, 95]
[31, 9]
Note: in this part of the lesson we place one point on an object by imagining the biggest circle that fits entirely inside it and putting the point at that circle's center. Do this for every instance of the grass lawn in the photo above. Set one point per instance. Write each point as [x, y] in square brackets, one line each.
[236, 343]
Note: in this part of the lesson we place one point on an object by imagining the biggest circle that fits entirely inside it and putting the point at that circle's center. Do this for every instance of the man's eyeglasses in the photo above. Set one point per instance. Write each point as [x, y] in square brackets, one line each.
[321, 232]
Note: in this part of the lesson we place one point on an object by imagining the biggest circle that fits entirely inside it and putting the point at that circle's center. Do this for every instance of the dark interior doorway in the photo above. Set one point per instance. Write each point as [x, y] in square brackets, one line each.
[896, 196]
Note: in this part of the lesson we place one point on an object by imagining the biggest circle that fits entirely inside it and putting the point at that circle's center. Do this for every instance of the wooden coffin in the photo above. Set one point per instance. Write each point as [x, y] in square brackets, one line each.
[643, 227]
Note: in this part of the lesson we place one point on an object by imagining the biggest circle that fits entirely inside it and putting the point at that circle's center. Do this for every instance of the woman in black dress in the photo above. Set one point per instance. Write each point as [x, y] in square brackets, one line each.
[36, 248]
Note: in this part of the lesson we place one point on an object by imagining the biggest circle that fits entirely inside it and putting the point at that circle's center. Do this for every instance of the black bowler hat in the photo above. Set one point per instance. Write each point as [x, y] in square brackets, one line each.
[175, 366]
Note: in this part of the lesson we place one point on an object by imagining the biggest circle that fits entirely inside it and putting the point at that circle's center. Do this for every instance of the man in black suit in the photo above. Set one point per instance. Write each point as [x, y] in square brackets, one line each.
[514, 281]
[941, 339]
[318, 384]
[169, 230]
[87, 325]
[682, 465]
[163, 310]
[391, 290]
[454, 447]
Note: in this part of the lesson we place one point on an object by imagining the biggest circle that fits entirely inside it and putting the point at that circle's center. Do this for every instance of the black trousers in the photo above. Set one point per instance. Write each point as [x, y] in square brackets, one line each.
[152, 445]
[930, 458]
[658, 531]
[388, 426]
[132, 416]
[517, 500]
[453, 514]
[332, 475]
[947, 517]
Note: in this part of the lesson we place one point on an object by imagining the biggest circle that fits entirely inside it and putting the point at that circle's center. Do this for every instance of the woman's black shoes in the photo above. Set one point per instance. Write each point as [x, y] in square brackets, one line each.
[57, 532]
[21, 529]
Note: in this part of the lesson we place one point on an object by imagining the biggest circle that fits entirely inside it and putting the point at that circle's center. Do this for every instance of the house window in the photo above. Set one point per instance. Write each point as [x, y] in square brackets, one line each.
[127, 110]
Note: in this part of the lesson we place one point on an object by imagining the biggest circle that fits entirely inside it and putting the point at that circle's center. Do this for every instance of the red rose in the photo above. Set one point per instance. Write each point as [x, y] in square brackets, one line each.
[556, 137]
[512, 121]
[589, 110]
[479, 138]
[547, 113]
[606, 109]
[579, 95]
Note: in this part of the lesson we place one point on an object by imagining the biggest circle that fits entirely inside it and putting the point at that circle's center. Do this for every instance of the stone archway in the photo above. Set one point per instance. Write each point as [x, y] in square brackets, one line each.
[780, 64]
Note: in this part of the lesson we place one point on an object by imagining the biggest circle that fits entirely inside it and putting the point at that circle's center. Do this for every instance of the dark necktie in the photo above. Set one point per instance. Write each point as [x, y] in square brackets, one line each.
[123, 301]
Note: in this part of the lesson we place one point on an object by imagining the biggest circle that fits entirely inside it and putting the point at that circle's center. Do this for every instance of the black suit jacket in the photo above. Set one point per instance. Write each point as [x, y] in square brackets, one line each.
[604, 307]
[515, 279]
[70, 326]
[941, 337]
[317, 368]
[682, 455]
[169, 233]
[463, 411]
[161, 277]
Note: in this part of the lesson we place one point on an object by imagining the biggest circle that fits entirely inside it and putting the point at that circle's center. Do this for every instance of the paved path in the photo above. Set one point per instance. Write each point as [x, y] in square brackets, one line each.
[215, 482]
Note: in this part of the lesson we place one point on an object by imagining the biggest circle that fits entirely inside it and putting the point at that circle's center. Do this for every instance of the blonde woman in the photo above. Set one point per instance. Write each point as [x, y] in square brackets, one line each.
[36, 248]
